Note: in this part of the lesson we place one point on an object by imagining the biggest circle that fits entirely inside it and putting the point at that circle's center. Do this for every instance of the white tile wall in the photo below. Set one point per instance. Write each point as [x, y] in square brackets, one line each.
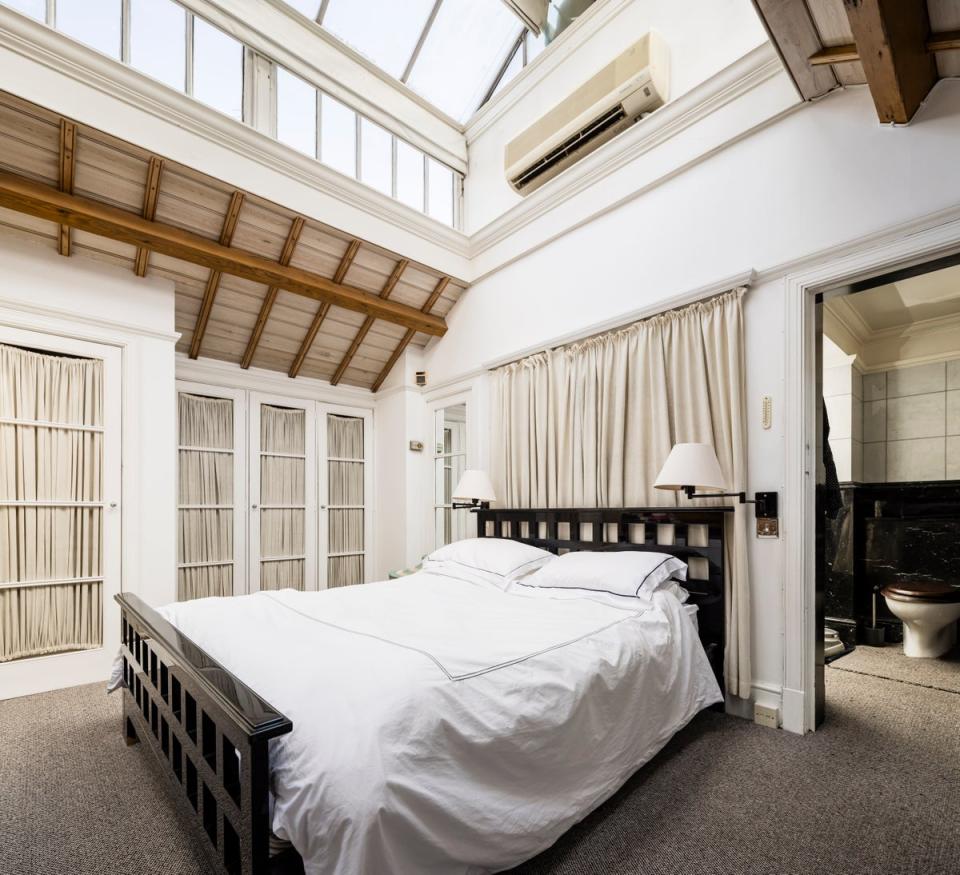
[911, 423]
[918, 459]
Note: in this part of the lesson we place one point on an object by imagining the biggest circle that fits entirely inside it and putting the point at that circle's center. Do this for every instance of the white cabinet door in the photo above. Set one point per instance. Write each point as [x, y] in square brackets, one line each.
[283, 493]
[345, 449]
[60, 515]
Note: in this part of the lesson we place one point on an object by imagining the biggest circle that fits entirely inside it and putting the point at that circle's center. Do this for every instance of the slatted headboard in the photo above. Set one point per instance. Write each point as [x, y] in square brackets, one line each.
[693, 534]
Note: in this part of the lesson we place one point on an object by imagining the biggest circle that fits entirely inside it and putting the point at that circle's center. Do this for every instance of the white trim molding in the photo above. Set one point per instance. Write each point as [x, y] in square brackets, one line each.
[909, 244]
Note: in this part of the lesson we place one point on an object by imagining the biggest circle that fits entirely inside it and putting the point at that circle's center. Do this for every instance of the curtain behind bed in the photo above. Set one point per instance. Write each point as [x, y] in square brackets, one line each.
[590, 425]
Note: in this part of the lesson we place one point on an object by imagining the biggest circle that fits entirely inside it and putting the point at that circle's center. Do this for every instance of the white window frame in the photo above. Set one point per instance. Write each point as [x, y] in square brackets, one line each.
[37, 674]
[240, 455]
[323, 409]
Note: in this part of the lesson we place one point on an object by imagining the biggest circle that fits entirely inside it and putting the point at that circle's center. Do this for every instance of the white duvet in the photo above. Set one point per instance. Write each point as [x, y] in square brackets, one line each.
[445, 726]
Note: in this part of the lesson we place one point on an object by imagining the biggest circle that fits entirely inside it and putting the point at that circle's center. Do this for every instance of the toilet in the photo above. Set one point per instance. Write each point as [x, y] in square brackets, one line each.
[929, 612]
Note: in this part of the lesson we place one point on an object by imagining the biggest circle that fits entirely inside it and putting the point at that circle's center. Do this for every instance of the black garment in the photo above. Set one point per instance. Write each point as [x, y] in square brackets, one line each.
[832, 498]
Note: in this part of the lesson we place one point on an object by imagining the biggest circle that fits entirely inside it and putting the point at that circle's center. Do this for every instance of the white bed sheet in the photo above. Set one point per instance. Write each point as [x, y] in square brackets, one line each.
[446, 726]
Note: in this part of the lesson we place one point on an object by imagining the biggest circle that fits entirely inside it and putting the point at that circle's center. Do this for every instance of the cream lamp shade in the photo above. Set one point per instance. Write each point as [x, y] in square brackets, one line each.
[474, 486]
[691, 465]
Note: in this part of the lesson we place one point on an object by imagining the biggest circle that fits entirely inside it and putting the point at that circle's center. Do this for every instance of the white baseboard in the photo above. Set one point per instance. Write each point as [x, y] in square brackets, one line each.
[793, 717]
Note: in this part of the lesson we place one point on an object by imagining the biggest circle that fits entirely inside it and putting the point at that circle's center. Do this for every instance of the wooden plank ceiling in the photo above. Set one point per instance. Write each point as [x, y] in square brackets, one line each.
[897, 47]
[256, 284]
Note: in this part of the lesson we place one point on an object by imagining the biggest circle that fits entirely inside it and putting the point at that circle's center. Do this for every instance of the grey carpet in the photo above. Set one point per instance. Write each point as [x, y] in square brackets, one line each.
[874, 791]
[889, 662]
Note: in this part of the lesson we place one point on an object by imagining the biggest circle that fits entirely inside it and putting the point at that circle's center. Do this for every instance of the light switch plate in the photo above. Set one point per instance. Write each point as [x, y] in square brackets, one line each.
[768, 528]
[765, 716]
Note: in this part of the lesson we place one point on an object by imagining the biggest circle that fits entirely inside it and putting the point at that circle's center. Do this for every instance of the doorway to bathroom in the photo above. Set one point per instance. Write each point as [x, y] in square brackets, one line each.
[888, 481]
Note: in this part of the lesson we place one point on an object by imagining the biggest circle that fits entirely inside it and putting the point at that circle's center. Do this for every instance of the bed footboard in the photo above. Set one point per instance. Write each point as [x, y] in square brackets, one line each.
[210, 733]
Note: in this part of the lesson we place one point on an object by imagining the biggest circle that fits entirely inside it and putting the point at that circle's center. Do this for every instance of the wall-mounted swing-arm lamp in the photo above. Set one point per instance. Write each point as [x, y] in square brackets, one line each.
[690, 467]
[473, 492]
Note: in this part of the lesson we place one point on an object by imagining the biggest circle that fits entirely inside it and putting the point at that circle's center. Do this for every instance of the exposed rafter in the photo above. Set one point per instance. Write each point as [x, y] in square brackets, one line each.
[293, 236]
[385, 293]
[230, 220]
[891, 38]
[33, 198]
[151, 193]
[405, 342]
[68, 166]
[321, 313]
[947, 41]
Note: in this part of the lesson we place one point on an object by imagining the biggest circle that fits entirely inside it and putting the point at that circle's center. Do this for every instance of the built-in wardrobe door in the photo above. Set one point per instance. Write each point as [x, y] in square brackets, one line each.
[211, 503]
[60, 520]
[345, 441]
[283, 506]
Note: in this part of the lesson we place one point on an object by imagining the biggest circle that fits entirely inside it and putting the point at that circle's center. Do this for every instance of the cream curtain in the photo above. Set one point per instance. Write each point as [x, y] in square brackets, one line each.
[43, 464]
[205, 550]
[590, 425]
[282, 497]
[345, 499]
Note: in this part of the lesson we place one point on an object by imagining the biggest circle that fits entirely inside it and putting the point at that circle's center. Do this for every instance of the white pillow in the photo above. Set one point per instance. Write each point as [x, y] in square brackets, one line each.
[498, 556]
[632, 573]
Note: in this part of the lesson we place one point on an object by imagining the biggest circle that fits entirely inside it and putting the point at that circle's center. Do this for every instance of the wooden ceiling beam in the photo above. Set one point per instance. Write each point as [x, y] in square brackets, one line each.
[230, 220]
[45, 202]
[891, 38]
[405, 342]
[947, 41]
[293, 236]
[151, 193]
[385, 293]
[321, 313]
[68, 168]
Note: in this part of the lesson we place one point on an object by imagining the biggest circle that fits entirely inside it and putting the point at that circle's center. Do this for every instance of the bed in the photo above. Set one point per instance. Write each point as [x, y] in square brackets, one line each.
[432, 724]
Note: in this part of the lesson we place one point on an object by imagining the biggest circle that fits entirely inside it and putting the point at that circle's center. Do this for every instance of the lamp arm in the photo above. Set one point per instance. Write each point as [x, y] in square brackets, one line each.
[766, 502]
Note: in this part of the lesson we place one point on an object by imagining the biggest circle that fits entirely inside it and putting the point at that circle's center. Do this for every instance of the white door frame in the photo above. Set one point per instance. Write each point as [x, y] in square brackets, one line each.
[240, 459]
[310, 486]
[904, 247]
[434, 405]
[55, 671]
[323, 408]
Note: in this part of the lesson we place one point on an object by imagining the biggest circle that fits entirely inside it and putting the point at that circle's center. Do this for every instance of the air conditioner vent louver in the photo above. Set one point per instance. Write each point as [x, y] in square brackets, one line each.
[632, 85]
[570, 147]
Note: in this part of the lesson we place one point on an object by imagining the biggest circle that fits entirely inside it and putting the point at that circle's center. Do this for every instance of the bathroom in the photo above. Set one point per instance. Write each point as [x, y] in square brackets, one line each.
[889, 493]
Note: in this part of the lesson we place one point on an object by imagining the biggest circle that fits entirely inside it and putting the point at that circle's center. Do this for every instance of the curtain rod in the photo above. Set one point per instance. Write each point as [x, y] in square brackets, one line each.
[692, 296]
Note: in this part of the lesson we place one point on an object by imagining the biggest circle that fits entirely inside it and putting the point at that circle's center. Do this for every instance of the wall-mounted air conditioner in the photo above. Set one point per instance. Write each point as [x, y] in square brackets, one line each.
[634, 84]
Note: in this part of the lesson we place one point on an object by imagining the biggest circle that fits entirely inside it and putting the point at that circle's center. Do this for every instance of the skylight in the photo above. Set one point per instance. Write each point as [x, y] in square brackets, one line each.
[451, 52]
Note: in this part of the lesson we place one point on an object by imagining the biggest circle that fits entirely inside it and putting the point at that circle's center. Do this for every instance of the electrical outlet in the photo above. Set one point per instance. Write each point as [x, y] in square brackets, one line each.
[768, 527]
[765, 716]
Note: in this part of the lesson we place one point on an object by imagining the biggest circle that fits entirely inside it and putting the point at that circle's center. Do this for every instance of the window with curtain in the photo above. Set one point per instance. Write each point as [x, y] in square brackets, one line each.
[206, 505]
[590, 425]
[345, 500]
[449, 463]
[51, 503]
[283, 507]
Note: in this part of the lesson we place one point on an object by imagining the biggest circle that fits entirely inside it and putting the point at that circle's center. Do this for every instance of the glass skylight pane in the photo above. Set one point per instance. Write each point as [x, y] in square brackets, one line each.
[296, 112]
[217, 69]
[410, 171]
[310, 8]
[514, 67]
[535, 44]
[34, 8]
[94, 22]
[467, 44]
[386, 31]
[376, 160]
[158, 40]
[338, 135]
[439, 192]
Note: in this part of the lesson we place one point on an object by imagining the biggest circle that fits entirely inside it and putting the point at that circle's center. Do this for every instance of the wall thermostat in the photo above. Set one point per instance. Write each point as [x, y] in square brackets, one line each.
[767, 411]
[416, 446]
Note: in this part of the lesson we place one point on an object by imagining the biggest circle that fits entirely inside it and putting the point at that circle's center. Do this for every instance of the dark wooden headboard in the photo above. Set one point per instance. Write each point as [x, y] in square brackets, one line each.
[693, 534]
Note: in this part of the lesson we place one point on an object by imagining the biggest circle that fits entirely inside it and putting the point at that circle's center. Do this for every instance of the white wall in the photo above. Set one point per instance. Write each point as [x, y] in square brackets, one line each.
[812, 181]
[701, 42]
[75, 297]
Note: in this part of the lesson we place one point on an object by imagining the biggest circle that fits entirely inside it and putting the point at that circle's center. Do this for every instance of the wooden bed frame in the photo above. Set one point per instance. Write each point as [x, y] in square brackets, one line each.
[210, 733]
